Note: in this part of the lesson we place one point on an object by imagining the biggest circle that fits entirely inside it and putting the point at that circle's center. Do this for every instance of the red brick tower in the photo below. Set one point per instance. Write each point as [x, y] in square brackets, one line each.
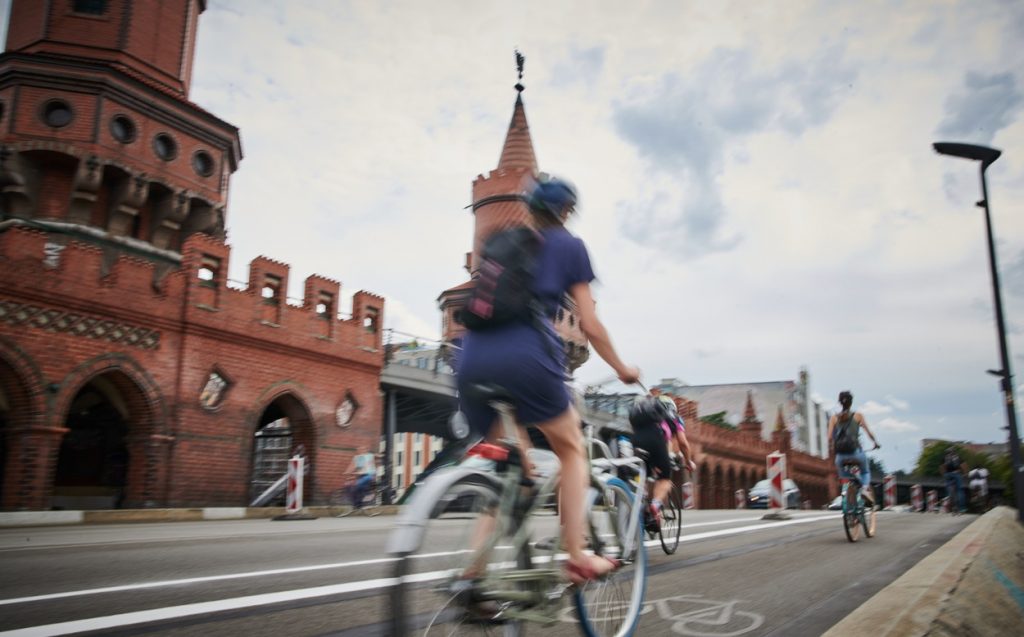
[97, 130]
[498, 204]
[131, 373]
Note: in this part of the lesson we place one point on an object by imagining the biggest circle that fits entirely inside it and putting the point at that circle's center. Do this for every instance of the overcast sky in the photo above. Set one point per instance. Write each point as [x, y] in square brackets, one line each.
[758, 187]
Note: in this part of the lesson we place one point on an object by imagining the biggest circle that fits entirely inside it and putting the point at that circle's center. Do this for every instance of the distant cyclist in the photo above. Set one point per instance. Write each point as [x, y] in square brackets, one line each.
[844, 436]
[954, 467]
[527, 359]
[362, 472]
[655, 429]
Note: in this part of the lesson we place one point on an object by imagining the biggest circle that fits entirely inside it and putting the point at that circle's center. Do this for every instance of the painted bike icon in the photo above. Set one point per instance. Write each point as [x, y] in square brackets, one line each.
[696, 616]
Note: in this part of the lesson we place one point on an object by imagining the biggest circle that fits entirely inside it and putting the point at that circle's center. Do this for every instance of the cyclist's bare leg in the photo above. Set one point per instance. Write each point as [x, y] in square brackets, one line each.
[563, 433]
[661, 488]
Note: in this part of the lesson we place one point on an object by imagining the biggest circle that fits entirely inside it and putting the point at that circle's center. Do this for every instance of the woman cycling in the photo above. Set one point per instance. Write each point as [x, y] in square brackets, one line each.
[528, 361]
[847, 424]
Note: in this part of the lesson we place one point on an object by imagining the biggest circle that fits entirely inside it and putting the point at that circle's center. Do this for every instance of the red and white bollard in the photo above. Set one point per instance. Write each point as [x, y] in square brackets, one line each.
[741, 499]
[293, 502]
[687, 495]
[916, 501]
[776, 478]
[890, 491]
[933, 501]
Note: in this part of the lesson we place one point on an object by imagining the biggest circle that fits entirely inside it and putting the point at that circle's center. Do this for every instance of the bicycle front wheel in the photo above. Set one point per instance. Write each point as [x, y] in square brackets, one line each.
[441, 584]
[851, 519]
[867, 520]
[610, 606]
[671, 521]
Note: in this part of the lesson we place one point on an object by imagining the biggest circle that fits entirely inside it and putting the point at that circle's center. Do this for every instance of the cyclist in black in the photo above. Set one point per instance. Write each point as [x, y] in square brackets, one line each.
[654, 428]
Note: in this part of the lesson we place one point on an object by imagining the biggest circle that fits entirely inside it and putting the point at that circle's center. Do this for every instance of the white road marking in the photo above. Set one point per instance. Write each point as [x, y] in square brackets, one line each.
[187, 610]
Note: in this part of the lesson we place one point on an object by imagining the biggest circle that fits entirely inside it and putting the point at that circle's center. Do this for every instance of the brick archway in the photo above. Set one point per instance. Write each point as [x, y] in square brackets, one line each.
[22, 430]
[283, 401]
[147, 439]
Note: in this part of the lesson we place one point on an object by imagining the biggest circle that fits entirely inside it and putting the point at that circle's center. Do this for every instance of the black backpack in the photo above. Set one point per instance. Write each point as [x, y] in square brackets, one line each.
[845, 442]
[503, 286]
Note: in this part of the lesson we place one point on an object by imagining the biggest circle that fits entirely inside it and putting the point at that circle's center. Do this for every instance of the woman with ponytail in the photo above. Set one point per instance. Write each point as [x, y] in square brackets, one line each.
[844, 440]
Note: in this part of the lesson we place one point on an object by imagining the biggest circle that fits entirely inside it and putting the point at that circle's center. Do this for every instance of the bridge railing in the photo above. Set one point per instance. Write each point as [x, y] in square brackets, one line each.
[434, 355]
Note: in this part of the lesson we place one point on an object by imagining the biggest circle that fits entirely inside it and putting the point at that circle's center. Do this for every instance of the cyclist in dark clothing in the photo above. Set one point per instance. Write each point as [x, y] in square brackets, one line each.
[529, 362]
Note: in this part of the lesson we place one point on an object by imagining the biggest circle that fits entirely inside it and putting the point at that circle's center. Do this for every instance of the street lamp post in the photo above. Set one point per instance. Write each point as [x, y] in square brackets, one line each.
[986, 156]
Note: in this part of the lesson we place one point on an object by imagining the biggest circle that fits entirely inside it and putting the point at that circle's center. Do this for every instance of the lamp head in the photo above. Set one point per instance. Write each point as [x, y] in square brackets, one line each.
[984, 154]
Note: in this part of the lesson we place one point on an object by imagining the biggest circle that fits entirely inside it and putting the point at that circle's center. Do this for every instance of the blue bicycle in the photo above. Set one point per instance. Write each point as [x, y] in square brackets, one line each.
[857, 513]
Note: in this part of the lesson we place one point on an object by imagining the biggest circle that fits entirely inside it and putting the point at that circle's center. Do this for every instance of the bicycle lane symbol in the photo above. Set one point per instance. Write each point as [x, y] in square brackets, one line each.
[694, 616]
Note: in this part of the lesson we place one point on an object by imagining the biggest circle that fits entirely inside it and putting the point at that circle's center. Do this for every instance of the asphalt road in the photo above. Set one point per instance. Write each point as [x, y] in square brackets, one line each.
[734, 574]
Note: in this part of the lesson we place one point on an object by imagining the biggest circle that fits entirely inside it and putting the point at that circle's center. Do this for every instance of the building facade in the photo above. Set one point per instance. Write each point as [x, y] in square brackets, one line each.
[132, 373]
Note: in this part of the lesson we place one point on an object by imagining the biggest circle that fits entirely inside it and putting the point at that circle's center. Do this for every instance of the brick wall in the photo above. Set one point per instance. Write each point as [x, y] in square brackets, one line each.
[159, 337]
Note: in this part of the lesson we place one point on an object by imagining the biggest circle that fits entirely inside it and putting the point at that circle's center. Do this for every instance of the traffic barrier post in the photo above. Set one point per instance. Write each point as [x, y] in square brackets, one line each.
[293, 496]
[776, 492]
[916, 501]
[687, 495]
[890, 491]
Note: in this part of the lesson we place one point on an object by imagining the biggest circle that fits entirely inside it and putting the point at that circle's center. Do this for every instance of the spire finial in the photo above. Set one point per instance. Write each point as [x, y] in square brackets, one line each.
[520, 61]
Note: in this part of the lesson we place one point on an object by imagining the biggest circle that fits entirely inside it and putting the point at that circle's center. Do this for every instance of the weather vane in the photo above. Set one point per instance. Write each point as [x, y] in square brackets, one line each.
[520, 60]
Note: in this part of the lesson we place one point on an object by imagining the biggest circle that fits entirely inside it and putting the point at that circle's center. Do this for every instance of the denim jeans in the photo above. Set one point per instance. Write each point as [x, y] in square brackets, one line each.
[954, 488]
[862, 460]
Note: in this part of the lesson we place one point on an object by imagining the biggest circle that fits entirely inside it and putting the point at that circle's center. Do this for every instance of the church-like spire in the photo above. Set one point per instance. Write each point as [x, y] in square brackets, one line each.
[517, 153]
[750, 424]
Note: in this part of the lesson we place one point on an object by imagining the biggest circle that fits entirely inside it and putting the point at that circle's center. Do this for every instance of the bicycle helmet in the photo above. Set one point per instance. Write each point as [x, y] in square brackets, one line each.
[552, 198]
[646, 412]
[670, 406]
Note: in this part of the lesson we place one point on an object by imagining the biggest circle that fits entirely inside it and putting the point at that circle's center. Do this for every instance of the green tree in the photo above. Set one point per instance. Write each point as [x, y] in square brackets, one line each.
[876, 467]
[930, 462]
[718, 420]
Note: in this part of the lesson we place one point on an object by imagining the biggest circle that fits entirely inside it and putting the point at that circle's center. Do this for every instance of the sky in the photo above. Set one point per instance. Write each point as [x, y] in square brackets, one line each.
[758, 189]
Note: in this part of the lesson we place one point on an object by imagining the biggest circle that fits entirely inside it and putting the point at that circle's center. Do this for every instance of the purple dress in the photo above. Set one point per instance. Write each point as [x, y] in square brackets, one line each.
[526, 359]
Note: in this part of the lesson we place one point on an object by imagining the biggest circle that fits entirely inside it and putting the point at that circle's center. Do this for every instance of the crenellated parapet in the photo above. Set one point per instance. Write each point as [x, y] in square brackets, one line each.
[50, 275]
[262, 307]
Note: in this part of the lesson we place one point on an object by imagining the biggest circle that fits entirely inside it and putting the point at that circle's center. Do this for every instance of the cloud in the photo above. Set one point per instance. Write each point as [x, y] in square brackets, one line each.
[896, 426]
[581, 65]
[871, 408]
[986, 105]
[681, 124]
[902, 405]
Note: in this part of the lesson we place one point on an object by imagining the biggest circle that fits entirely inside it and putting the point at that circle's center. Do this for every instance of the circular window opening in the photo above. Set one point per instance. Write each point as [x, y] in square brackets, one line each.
[57, 113]
[123, 129]
[202, 163]
[164, 147]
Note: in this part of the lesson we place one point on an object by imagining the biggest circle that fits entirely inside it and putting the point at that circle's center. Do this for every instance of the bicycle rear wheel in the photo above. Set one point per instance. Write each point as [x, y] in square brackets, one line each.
[851, 518]
[671, 521]
[439, 586]
[610, 606]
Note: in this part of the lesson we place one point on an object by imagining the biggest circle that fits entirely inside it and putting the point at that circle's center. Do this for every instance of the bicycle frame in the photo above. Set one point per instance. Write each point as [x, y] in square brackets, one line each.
[409, 530]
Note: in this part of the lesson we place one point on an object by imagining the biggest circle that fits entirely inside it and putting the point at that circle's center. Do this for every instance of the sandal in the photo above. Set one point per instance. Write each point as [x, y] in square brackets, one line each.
[582, 574]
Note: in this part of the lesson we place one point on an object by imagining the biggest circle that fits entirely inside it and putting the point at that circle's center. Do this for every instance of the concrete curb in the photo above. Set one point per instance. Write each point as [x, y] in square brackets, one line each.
[920, 601]
[9, 519]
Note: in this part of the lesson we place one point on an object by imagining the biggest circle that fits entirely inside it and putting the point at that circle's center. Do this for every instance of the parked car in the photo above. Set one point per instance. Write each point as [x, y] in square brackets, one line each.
[759, 495]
